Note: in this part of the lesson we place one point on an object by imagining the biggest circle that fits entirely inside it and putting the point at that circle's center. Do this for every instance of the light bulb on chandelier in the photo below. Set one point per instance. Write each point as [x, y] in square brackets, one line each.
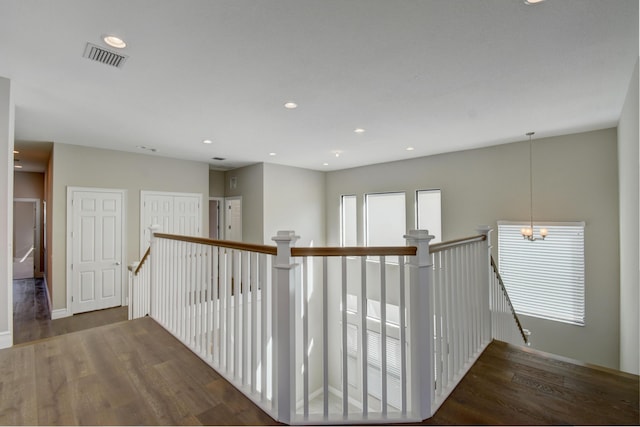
[528, 232]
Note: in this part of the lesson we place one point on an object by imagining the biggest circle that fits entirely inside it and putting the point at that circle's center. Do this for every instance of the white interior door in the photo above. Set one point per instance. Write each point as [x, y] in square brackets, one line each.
[157, 209]
[233, 219]
[97, 249]
[175, 213]
[186, 215]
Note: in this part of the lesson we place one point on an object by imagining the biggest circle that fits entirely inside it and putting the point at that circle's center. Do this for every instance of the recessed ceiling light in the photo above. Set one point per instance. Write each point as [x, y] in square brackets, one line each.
[114, 41]
[410, 148]
[530, 2]
[358, 130]
[325, 164]
[272, 154]
[290, 105]
[207, 141]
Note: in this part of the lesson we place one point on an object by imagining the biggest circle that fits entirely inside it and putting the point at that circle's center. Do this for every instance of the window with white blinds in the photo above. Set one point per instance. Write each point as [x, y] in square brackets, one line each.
[348, 221]
[429, 213]
[544, 278]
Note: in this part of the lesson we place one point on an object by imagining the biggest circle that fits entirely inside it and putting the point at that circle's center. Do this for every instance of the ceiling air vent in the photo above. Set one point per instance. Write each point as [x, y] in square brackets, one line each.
[104, 56]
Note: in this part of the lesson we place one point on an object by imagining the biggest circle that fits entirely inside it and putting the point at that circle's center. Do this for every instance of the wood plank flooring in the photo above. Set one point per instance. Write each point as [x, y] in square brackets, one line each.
[127, 373]
[32, 320]
[518, 386]
[136, 373]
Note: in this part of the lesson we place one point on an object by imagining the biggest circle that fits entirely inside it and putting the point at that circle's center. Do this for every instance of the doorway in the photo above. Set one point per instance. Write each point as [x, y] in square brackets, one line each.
[26, 238]
[95, 248]
[216, 215]
[233, 219]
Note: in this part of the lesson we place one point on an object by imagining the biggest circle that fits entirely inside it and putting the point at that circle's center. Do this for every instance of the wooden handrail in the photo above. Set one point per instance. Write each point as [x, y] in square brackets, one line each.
[355, 251]
[144, 258]
[324, 251]
[438, 247]
[506, 294]
[263, 249]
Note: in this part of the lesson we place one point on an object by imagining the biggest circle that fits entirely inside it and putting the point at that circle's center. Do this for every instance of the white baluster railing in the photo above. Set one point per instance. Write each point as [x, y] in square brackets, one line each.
[327, 335]
[459, 307]
[351, 345]
[214, 297]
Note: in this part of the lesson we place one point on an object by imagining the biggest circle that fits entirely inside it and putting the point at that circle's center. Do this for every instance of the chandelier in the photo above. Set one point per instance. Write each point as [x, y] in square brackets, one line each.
[527, 232]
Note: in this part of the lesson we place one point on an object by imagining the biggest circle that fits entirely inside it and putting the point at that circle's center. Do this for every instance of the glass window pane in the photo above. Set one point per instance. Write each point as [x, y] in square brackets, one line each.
[349, 221]
[386, 219]
[429, 213]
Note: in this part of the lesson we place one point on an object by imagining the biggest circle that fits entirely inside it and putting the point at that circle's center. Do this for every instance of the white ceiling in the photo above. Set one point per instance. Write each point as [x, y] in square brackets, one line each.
[436, 75]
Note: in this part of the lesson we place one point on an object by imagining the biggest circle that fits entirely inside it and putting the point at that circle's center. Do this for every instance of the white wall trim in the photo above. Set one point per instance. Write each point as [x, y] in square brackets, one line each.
[60, 313]
[6, 339]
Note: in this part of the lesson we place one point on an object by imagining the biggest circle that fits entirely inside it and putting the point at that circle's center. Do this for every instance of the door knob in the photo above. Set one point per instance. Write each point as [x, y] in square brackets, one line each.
[117, 262]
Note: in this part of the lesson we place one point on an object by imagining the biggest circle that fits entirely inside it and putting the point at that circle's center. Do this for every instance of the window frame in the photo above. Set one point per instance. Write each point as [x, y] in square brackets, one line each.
[343, 219]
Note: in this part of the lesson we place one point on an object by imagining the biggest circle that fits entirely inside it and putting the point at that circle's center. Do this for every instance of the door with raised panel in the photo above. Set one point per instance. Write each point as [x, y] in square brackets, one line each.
[96, 265]
[175, 213]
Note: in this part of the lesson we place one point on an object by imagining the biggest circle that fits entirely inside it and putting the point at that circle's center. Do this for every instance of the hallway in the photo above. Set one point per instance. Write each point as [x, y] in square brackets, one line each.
[32, 320]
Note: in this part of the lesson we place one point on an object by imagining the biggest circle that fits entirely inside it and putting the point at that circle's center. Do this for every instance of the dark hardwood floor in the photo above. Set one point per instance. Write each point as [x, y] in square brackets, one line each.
[136, 373]
[32, 320]
[519, 386]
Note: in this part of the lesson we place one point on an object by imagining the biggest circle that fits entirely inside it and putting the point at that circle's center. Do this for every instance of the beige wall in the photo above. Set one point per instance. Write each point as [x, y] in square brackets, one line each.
[629, 163]
[250, 186]
[575, 179]
[216, 183]
[48, 234]
[6, 211]
[78, 166]
[30, 185]
[294, 200]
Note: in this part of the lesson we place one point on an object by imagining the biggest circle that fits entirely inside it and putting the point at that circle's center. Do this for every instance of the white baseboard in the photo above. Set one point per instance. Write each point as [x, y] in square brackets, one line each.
[60, 313]
[6, 339]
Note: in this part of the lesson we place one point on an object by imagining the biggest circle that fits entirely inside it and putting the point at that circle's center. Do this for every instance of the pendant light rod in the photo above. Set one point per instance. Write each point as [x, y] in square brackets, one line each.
[527, 233]
[530, 134]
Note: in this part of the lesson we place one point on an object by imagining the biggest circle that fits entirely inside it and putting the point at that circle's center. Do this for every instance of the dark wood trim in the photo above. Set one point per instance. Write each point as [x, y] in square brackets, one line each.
[506, 294]
[263, 249]
[356, 251]
[144, 258]
[438, 247]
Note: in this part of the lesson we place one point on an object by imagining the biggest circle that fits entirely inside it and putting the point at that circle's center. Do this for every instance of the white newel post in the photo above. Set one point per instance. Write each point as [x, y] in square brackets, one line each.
[153, 260]
[421, 323]
[284, 328]
[486, 273]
